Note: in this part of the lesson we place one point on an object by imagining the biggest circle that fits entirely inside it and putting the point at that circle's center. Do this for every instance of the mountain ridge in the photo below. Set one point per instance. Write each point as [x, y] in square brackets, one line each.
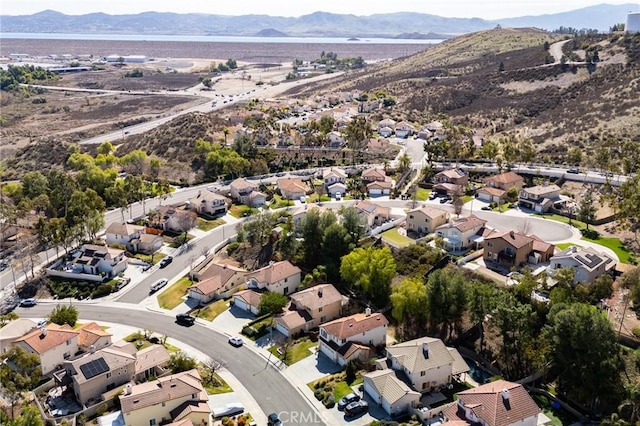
[316, 24]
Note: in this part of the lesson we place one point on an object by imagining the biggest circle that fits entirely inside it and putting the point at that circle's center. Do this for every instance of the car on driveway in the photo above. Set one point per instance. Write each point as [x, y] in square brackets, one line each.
[235, 341]
[432, 195]
[356, 408]
[27, 303]
[273, 420]
[185, 319]
[348, 399]
[165, 261]
[228, 410]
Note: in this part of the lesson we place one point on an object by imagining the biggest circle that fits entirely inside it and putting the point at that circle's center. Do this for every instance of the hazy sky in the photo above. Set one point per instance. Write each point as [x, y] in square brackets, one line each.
[490, 9]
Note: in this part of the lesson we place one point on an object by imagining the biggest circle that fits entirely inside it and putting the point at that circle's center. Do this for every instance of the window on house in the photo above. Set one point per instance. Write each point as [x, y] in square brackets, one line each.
[410, 216]
[68, 342]
[323, 318]
[164, 404]
[489, 244]
[286, 279]
[422, 373]
[152, 422]
[108, 375]
[320, 309]
[286, 290]
[323, 333]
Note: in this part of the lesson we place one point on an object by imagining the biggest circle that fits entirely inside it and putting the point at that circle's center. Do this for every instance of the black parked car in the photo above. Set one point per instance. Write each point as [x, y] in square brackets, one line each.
[274, 420]
[165, 261]
[356, 408]
[185, 319]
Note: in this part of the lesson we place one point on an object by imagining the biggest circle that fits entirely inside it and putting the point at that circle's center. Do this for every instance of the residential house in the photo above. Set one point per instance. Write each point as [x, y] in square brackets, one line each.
[173, 219]
[279, 277]
[385, 132]
[246, 192]
[374, 174]
[427, 363]
[404, 130]
[335, 139]
[148, 242]
[151, 362]
[450, 189]
[386, 123]
[498, 403]
[434, 126]
[425, 219]
[372, 214]
[424, 134]
[334, 175]
[512, 249]
[247, 300]
[209, 203]
[540, 198]
[91, 337]
[336, 188]
[342, 122]
[378, 188]
[462, 233]
[172, 398]
[390, 392]
[12, 331]
[52, 343]
[352, 337]
[123, 233]
[496, 187]
[216, 281]
[588, 264]
[309, 308]
[91, 261]
[298, 216]
[542, 250]
[292, 188]
[454, 176]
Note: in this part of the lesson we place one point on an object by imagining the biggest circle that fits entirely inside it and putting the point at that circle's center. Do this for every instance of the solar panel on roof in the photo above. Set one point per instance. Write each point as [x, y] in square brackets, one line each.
[94, 368]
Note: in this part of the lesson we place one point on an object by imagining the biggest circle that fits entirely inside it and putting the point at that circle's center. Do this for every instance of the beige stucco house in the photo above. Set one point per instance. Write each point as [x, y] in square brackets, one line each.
[539, 198]
[247, 300]
[216, 281]
[279, 277]
[209, 203]
[292, 188]
[462, 233]
[390, 392]
[309, 308]
[588, 264]
[425, 219]
[12, 331]
[53, 344]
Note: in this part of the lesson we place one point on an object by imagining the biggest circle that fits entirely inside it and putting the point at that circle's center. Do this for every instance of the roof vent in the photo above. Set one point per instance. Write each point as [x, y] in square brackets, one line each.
[512, 234]
[320, 292]
[92, 349]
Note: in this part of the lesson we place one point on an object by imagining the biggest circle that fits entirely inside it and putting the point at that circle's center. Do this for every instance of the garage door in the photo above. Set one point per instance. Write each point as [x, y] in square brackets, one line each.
[484, 196]
[240, 303]
[282, 329]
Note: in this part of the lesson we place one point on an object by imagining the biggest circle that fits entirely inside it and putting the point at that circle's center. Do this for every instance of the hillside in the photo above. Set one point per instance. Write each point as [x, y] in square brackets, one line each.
[557, 106]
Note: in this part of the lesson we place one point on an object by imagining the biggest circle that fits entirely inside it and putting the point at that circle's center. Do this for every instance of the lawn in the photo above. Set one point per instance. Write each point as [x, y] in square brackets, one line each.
[396, 239]
[212, 310]
[558, 417]
[563, 246]
[614, 244]
[278, 202]
[558, 218]
[467, 198]
[422, 194]
[150, 258]
[207, 225]
[141, 342]
[240, 211]
[221, 387]
[176, 242]
[299, 350]
[172, 297]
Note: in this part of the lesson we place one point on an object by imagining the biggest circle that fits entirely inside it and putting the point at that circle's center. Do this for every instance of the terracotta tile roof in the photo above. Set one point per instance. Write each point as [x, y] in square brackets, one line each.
[204, 196]
[275, 272]
[425, 354]
[292, 184]
[504, 178]
[293, 319]
[54, 336]
[242, 183]
[498, 403]
[151, 356]
[162, 390]
[252, 298]
[373, 173]
[223, 270]
[464, 224]
[215, 277]
[430, 212]
[367, 207]
[350, 348]
[334, 172]
[343, 328]
[515, 239]
[90, 333]
[451, 188]
[496, 192]
[183, 410]
[316, 297]
[387, 184]
[451, 174]
[540, 245]
[125, 229]
[388, 386]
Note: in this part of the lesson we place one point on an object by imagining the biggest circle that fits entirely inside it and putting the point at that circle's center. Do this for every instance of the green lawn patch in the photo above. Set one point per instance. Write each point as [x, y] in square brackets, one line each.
[422, 194]
[150, 258]
[300, 349]
[563, 246]
[217, 388]
[172, 297]
[278, 202]
[212, 310]
[207, 225]
[240, 211]
[341, 389]
[467, 198]
[395, 238]
[558, 218]
[175, 242]
[558, 417]
[614, 244]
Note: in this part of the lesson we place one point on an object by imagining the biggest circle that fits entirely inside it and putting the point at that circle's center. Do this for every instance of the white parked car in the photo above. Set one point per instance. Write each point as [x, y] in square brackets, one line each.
[235, 341]
[158, 285]
[338, 196]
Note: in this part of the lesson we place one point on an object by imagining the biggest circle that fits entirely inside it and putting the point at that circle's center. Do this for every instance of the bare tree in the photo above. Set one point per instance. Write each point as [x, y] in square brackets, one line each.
[525, 227]
[211, 366]
[186, 220]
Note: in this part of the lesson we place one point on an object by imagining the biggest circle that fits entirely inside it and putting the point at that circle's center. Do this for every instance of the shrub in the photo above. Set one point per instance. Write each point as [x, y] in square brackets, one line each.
[232, 247]
[102, 290]
[318, 394]
[249, 331]
[102, 408]
[636, 331]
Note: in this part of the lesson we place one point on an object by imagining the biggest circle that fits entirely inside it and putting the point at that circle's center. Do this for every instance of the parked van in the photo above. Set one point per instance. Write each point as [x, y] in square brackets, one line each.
[158, 285]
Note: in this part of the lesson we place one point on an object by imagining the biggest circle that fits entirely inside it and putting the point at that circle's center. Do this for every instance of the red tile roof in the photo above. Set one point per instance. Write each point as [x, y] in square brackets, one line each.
[274, 272]
[42, 341]
[343, 328]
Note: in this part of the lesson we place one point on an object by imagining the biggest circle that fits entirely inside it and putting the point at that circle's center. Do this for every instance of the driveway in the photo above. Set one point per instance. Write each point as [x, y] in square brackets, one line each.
[231, 321]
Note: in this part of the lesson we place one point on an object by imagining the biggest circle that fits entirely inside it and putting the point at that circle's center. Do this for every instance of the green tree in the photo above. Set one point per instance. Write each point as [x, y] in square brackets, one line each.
[63, 314]
[19, 372]
[446, 299]
[627, 205]
[336, 243]
[587, 210]
[34, 184]
[353, 223]
[272, 303]
[180, 361]
[370, 269]
[409, 307]
[482, 301]
[584, 348]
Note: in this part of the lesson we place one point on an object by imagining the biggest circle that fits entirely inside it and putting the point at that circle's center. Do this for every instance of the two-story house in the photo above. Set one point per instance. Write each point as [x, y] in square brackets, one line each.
[171, 398]
[209, 203]
[377, 188]
[216, 281]
[454, 176]
[588, 264]
[427, 365]
[353, 337]
[513, 249]
[373, 174]
[246, 192]
[462, 233]
[278, 277]
[335, 181]
[498, 403]
[122, 233]
[335, 139]
[173, 219]
[539, 198]
[425, 219]
[91, 262]
[53, 344]
[91, 337]
[309, 308]
[404, 130]
[496, 187]
[292, 188]
[372, 214]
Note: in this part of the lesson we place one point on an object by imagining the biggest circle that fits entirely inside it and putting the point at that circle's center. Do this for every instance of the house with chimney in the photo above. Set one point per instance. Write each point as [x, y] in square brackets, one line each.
[499, 403]
[353, 337]
[208, 203]
[279, 277]
[169, 399]
[463, 233]
[309, 308]
[420, 365]
[53, 344]
[215, 281]
[587, 263]
[511, 249]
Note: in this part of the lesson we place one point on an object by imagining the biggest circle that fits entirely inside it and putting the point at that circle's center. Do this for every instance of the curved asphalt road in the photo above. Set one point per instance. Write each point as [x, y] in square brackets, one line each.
[265, 383]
